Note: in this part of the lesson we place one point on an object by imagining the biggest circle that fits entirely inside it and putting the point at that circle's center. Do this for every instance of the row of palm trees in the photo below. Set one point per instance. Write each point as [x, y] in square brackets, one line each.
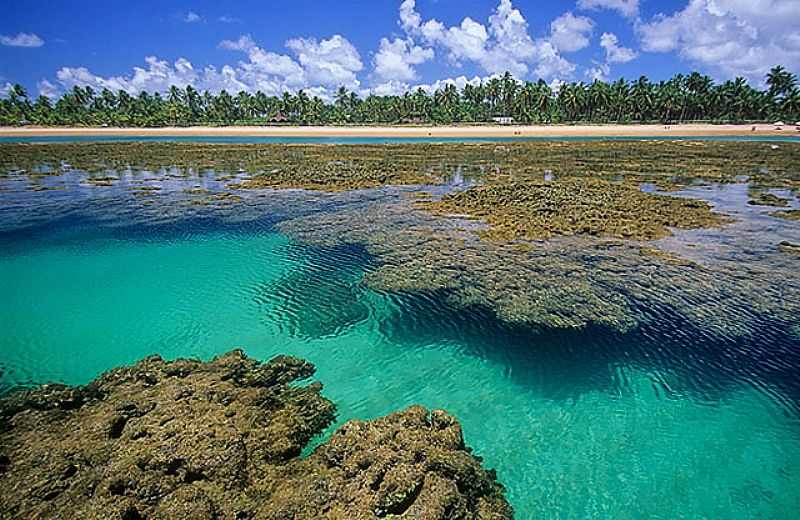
[682, 98]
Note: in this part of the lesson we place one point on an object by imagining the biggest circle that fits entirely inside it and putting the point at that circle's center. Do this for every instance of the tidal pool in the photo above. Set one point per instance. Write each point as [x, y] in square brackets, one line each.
[659, 420]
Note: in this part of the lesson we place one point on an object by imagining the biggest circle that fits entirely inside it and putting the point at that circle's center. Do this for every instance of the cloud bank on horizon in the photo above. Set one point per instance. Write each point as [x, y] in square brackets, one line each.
[724, 38]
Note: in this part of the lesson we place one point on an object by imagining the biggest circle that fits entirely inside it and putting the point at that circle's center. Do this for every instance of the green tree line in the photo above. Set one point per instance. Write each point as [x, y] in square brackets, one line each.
[683, 98]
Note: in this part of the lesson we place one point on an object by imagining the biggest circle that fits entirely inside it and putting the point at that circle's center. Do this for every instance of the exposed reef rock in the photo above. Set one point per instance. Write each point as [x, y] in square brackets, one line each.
[788, 247]
[792, 214]
[768, 199]
[540, 210]
[187, 439]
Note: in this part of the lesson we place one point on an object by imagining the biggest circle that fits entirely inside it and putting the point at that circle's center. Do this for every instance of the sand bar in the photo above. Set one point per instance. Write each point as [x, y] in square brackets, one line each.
[476, 131]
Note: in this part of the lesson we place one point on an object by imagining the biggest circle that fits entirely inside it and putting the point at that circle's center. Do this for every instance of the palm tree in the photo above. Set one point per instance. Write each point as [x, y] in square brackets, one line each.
[780, 81]
[699, 95]
[571, 100]
[194, 103]
[667, 100]
[620, 96]
[494, 91]
[508, 90]
[790, 106]
[42, 113]
[642, 97]
[224, 107]
[20, 104]
[598, 100]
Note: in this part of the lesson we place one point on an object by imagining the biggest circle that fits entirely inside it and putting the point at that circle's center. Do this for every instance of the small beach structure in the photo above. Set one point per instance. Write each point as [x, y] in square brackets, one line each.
[278, 118]
[779, 125]
[503, 120]
[413, 119]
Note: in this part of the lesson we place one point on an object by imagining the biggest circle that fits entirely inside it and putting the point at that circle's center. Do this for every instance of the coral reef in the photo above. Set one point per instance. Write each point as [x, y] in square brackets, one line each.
[187, 439]
[543, 209]
[343, 167]
[563, 282]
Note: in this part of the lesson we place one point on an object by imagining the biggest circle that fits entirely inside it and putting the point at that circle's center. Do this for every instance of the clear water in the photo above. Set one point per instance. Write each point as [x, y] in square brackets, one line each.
[377, 140]
[589, 424]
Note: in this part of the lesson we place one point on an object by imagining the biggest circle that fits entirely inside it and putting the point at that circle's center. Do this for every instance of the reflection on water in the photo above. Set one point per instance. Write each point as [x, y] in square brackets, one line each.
[753, 234]
[666, 416]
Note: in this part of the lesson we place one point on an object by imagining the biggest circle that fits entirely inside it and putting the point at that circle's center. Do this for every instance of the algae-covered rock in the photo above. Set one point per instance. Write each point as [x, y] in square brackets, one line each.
[792, 214]
[542, 209]
[768, 199]
[789, 247]
[222, 439]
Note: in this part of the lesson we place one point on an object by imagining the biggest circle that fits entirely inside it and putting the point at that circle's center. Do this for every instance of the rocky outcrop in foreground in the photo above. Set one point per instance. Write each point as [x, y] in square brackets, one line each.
[187, 439]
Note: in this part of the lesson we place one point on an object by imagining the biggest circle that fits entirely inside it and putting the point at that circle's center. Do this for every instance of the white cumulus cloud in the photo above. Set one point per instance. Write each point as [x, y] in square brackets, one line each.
[330, 62]
[48, 89]
[191, 17]
[392, 87]
[21, 40]
[159, 75]
[395, 60]
[320, 66]
[614, 52]
[244, 43]
[504, 44]
[599, 72]
[570, 33]
[730, 37]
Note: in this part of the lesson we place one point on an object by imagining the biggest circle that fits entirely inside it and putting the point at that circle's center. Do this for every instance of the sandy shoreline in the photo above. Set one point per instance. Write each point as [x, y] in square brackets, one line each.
[693, 130]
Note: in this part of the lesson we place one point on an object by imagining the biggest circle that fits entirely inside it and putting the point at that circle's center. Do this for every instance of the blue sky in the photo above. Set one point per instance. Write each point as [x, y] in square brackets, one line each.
[387, 46]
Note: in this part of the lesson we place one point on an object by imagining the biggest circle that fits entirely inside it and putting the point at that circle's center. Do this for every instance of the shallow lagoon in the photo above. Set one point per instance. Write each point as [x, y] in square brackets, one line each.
[583, 423]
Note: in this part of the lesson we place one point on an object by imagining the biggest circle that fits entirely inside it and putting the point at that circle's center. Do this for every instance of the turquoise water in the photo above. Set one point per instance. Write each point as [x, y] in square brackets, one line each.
[376, 140]
[588, 424]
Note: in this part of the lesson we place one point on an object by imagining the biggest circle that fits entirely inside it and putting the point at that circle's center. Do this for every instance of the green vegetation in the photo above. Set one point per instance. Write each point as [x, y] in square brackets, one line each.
[683, 98]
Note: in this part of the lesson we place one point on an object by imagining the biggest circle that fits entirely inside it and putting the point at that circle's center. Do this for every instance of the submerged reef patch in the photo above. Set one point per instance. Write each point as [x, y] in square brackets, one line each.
[564, 282]
[222, 439]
